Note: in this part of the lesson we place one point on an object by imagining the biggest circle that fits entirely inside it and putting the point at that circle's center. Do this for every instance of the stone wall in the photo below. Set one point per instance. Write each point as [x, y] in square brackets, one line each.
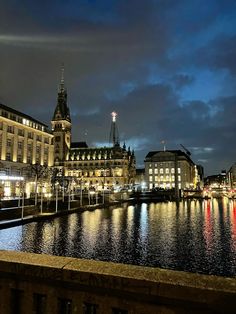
[32, 283]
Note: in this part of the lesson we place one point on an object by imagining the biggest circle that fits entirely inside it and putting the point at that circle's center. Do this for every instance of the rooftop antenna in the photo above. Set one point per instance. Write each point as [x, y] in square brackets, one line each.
[164, 145]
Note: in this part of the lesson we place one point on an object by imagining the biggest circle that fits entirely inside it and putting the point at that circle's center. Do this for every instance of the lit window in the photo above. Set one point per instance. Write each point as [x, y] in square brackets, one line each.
[161, 170]
[156, 171]
[173, 178]
[161, 178]
[156, 178]
[179, 178]
[172, 170]
[150, 178]
[167, 170]
[150, 171]
[179, 170]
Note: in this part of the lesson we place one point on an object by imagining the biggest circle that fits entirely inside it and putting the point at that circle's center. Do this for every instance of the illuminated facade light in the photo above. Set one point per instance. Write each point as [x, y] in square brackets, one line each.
[10, 178]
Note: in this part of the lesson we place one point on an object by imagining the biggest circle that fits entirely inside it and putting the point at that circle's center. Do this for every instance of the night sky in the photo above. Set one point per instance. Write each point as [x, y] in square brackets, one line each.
[167, 67]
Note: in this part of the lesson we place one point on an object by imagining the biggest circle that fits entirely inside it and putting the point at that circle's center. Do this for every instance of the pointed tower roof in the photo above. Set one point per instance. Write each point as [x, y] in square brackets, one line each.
[62, 111]
[114, 134]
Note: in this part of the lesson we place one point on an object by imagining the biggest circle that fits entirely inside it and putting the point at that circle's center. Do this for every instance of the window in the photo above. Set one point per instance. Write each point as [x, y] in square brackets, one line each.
[8, 142]
[5, 114]
[39, 303]
[156, 171]
[179, 178]
[10, 129]
[161, 171]
[172, 170]
[161, 178]
[173, 178]
[16, 299]
[37, 149]
[30, 135]
[21, 132]
[12, 117]
[19, 158]
[167, 170]
[8, 156]
[150, 171]
[20, 145]
[179, 170]
[64, 306]
[156, 178]
[89, 308]
[150, 178]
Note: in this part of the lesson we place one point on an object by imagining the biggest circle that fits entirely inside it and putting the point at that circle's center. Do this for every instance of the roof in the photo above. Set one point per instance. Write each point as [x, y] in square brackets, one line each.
[62, 111]
[4, 107]
[78, 145]
[178, 152]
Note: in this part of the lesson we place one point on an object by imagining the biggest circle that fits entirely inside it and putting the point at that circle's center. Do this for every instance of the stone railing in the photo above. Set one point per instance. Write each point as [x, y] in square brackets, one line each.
[32, 283]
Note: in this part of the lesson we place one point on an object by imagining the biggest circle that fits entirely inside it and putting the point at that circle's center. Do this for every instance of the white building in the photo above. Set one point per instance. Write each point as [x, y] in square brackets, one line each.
[168, 169]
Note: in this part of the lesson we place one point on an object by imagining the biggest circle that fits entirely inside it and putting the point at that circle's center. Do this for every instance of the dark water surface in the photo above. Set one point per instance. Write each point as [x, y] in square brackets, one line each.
[196, 236]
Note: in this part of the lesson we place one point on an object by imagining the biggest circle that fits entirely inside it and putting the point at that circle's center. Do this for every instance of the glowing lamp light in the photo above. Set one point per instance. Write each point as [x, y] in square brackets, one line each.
[114, 115]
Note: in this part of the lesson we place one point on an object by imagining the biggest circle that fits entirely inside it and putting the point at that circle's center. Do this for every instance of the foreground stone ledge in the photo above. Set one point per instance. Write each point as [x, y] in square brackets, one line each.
[134, 289]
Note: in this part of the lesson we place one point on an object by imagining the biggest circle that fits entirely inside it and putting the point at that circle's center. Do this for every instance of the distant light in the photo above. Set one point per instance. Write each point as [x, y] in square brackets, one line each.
[114, 115]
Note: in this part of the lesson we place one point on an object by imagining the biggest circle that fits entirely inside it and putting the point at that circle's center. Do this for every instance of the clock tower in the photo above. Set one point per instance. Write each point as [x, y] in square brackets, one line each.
[61, 125]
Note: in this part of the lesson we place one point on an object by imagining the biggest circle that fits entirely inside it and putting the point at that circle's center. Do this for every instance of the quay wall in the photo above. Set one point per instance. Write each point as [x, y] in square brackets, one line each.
[33, 283]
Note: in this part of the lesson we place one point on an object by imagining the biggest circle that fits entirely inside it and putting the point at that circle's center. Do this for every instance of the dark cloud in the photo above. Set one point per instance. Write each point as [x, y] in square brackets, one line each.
[144, 59]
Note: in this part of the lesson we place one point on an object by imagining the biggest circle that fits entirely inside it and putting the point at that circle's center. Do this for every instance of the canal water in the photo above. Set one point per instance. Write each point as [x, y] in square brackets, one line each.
[195, 236]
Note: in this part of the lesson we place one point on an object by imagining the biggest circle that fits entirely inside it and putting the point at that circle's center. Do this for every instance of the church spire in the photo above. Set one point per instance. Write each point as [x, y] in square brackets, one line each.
[114, 135]
[62, 83]
[62, 111]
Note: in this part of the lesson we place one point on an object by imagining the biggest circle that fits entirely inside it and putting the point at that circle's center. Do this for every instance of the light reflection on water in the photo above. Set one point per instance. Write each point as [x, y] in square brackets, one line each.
[197, 236]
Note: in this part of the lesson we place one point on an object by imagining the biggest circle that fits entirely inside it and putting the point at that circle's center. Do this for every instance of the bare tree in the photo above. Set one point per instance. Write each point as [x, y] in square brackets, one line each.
[39, 172]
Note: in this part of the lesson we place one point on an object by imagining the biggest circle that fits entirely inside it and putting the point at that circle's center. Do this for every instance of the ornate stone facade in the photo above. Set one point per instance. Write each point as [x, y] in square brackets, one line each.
[100, 167]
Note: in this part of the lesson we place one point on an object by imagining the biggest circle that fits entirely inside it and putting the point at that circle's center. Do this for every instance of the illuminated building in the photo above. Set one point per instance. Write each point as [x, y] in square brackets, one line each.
[231, 176]
[168, 169]
[87, 167]
[23, 141]
[217, 180]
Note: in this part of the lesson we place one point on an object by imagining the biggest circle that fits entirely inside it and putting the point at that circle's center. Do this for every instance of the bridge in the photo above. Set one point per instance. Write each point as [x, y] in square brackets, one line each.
[32, 283]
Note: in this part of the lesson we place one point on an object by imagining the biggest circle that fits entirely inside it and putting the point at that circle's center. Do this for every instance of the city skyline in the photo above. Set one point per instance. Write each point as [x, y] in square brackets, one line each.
[166, 68]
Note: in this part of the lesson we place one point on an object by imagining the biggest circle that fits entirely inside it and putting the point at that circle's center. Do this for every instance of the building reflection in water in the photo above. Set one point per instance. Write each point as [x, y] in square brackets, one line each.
[197, 236]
